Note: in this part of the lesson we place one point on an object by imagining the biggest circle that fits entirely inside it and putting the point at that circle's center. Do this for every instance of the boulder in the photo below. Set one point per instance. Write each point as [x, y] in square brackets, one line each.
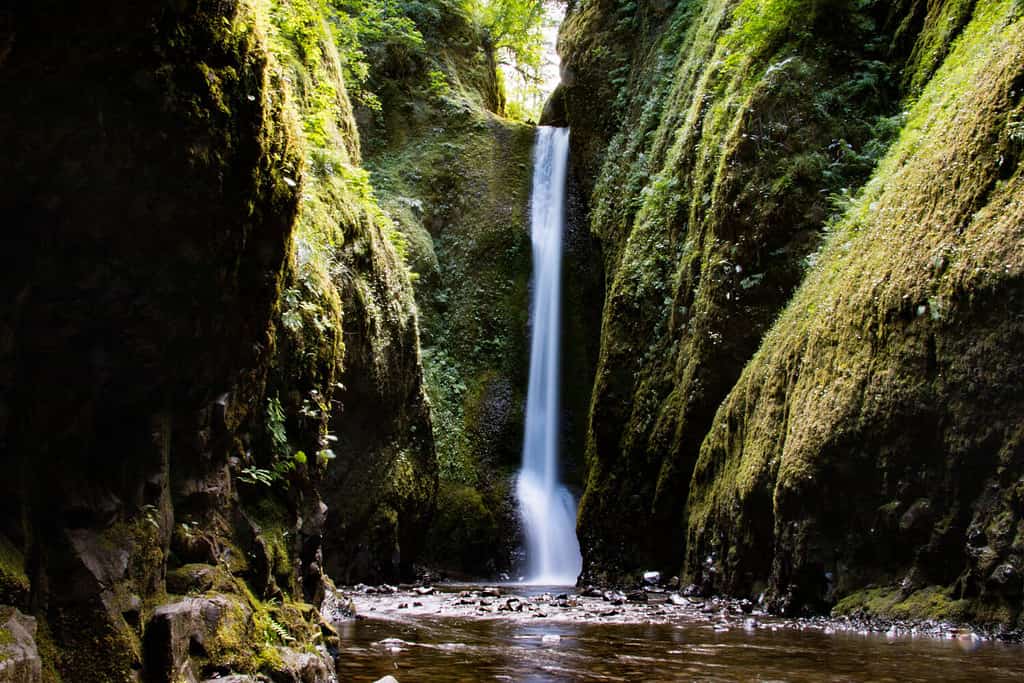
[196, 578]
[181, 631]
[19, 657]
[305, 667]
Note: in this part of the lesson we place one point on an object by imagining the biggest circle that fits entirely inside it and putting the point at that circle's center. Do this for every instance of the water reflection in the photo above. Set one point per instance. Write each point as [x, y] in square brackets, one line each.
[436, 649]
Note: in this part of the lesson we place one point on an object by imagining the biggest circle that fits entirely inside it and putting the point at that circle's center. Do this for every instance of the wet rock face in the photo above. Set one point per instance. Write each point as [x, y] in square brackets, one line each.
[752, 478]
[924, 417]
[151, 221]
[196, 637]
[305, 667]
[162, 169]
[19, 656]
[141, 340]
[180, 633]
[456, 180]
[380, 491]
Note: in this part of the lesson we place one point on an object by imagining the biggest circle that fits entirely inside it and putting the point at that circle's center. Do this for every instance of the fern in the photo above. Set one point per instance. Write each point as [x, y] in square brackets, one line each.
[276, 629]
[256, 475]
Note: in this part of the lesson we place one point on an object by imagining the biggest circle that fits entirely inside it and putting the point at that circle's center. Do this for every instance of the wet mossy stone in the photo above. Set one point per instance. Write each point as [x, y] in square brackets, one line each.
[198, 578]
[892, 370]
[464, 536]
[14, 583]
[19, 656]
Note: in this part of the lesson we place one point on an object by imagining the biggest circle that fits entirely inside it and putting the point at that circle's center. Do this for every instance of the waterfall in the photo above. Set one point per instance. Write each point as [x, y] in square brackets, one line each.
[547, 508]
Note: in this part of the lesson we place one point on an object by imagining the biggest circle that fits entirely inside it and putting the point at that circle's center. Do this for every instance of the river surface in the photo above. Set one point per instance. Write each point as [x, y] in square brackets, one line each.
[463, 637]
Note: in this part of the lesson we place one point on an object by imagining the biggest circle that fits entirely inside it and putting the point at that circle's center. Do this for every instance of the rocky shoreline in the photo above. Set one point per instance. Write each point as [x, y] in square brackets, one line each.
[645, 605]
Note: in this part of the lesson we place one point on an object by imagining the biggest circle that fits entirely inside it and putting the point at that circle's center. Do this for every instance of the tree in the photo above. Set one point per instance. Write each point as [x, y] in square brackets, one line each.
[512, 31]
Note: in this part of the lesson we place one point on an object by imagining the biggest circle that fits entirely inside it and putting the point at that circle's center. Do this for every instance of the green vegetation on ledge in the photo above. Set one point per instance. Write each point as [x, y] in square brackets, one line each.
[718, 175]
[455, 178]
[868, 439]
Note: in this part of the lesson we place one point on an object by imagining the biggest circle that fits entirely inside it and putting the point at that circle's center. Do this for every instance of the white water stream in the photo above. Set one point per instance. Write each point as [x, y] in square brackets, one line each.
[547, 508]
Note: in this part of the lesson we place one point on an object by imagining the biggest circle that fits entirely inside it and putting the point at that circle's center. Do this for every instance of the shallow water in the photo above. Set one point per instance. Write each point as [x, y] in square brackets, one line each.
[422, 646]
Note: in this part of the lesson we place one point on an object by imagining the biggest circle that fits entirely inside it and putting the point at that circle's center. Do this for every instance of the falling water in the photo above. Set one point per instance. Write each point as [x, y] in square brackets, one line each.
[546, 506]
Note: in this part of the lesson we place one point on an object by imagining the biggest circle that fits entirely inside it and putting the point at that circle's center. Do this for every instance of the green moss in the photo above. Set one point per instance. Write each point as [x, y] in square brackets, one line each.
[874, 351]
[14, 583]
[273, 519]
[48, 651]
[237, 642]
[933, 603]
[464, 535]
[711, 191]
[455, 180]
[347, 271]
[943, 24]
[199, 578]
[92, 646]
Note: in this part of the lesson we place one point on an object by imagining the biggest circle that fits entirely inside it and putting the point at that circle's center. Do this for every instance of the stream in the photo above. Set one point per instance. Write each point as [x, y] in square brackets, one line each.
[518, 633]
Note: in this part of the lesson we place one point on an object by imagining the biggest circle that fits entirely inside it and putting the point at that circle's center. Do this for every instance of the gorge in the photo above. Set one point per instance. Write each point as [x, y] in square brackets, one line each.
[277, 367]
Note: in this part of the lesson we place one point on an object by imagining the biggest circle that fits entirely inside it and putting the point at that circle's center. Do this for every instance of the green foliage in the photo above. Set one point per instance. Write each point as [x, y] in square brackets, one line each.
[513, 31]
[352, 25]
[438, 83]
[282, 462]
[276, 428]
[506, 33]
[255, 475]
[513, 26]
[276, 633]
[324, 456]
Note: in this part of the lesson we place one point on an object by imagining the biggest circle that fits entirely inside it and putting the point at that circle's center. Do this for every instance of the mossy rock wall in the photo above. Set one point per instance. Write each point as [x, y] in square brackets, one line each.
[875, 438]
[457, 184]
[730, 155]
[455, 177]
[713, 175]
[204, 286]
[147, 152]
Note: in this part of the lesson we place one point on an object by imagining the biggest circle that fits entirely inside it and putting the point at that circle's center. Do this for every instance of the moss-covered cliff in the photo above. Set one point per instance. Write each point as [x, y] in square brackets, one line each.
[716, 177]
[455, 177]
[732, 143]
[202, 313]
[876, 435]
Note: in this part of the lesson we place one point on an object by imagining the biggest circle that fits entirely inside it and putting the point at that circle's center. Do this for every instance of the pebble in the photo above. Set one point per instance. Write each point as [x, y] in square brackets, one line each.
[614, 597]
[717, 614]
